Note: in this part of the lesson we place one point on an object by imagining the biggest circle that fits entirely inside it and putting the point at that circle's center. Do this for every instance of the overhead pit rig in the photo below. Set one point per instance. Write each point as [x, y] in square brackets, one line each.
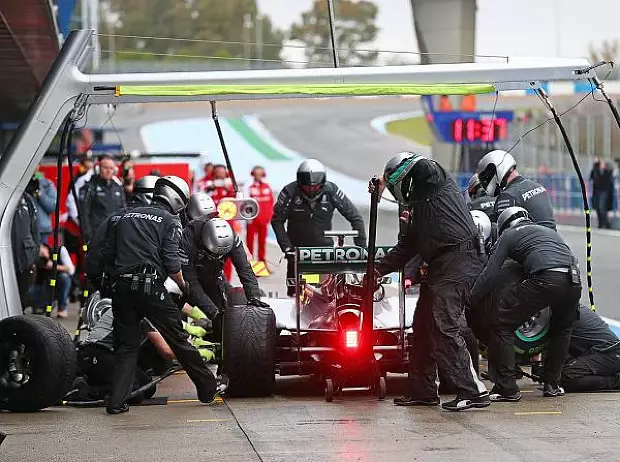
[68, 91]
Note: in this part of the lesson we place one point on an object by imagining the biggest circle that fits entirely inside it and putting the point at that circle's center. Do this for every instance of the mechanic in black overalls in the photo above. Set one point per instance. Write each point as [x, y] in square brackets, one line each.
[308, 206]
[145, 250]
[98, 276]
[100, 197]
[594, 355]
[205, 246]
[497, 172]
[442, 232]
[478, 197]
[551, 279]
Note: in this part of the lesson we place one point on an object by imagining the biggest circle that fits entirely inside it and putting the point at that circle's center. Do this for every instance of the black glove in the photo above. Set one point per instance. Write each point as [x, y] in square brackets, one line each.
[289, 252]
[205, 323]
[185, 289]
[253, 301]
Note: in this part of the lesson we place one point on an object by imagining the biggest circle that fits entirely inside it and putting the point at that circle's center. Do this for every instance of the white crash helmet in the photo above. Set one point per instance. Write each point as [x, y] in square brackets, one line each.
[511, 217]
[200, 205]
[172, 191]
[143, 189]
[396, 175]
[311, 178]
[483, 223]
[217, 237]
[493, 170]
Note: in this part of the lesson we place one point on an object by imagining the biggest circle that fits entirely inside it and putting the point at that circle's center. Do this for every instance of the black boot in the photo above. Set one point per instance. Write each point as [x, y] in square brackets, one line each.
[117, 410]
[552, 390]
[461, 403]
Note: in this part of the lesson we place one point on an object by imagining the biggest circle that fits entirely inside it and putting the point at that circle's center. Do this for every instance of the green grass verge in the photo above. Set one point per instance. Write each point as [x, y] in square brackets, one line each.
[415, 129]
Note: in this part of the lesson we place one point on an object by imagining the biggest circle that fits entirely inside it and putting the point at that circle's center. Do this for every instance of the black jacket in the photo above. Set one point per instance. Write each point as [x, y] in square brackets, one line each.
[439, 220]
[205, 275]
[25, 237]
[148, 235]
[535, 247]
[591, 334]
[483, 203]
[100, 199]
[307, 221]
[100, 242]
[531, 196]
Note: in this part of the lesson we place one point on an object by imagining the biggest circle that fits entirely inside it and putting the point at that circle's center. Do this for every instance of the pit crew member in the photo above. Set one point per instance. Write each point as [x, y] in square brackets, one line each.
[205, 245]
[478, 197]
[97, 275]
[551, 279]
[145, 250]
[498, 175]
[442, 232]
[307, 206]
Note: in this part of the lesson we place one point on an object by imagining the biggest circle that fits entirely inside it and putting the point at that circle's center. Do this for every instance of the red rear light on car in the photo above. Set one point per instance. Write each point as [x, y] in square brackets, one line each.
[351, 338]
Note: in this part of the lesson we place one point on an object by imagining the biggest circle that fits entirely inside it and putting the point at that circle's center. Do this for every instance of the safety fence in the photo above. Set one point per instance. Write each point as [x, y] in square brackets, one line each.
[563, 189]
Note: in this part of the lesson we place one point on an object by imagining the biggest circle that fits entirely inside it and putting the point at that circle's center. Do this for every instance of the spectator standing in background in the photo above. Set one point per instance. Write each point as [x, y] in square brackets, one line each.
[100, 197]
[257, 228]
[602, 191]
[44, 193]
[40, 290]
[129, 178]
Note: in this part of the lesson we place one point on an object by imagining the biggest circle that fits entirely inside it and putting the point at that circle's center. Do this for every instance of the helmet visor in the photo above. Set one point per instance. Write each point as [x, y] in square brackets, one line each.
[311, 190]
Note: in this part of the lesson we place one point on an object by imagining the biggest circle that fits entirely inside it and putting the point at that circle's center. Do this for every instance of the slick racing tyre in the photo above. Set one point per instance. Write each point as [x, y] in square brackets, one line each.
[249, 350]
[531, 337]
[37, 363]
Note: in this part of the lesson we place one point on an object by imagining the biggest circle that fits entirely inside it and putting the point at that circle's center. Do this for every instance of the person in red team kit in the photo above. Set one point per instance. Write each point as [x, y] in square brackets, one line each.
[257, 228]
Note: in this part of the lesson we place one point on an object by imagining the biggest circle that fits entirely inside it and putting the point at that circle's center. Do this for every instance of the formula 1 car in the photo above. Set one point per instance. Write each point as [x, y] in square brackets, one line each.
[323, 332]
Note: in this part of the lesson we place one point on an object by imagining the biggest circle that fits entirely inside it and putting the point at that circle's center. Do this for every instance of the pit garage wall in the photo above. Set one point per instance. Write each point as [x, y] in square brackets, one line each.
[447, 28]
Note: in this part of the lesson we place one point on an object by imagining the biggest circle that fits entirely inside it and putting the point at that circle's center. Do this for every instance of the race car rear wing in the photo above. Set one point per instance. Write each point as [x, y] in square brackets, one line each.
[323, 260]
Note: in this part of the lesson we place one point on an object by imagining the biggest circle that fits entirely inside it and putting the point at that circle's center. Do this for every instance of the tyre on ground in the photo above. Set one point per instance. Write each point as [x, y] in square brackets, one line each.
[249, 350]
[38, 363]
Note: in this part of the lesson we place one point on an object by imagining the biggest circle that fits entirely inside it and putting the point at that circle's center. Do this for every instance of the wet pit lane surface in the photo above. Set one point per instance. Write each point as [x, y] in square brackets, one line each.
[297, 424]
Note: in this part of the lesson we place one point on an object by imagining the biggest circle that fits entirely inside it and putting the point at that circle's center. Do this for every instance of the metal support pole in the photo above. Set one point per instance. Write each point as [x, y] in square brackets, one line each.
[332, 32]
[223, 145]
[584, 194]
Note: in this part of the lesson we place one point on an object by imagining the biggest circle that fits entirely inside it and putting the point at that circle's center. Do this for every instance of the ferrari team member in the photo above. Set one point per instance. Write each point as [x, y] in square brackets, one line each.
[441, 231]
[257, 228]
[205, 245]
[100, 197]
[95, 270]
[498, 175]
[145, 250]
[307, 206]
[478, 197]
[551, 279]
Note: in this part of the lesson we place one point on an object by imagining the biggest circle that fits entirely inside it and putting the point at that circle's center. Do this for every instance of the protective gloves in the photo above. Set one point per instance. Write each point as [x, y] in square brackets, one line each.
[206, 354]
[253, 301]
[195, 331]
[197, 314]
[200, 343]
